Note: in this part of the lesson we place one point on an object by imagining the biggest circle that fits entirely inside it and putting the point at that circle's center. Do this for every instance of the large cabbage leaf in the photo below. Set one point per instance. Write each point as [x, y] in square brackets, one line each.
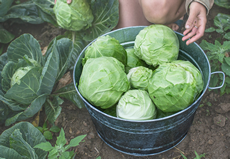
[21, 138]
[24, 12]
[26, 44]
[4, 6]
[106, 17]
[5, 36]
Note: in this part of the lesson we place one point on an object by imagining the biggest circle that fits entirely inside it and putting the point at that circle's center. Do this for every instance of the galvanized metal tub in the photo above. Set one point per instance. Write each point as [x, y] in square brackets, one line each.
[149, 137]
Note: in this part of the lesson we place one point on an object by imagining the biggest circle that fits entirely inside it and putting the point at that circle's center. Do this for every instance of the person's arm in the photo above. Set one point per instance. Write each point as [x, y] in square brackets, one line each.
[195, 25]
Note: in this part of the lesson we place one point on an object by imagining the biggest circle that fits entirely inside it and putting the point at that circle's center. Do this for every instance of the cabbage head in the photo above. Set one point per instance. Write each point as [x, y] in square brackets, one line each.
[156, 44]
[133, 60]
[139, 77]
[20, 72]
[174, 86]
[136, 105]
[103, 81]
[74, 16]
[106, 46]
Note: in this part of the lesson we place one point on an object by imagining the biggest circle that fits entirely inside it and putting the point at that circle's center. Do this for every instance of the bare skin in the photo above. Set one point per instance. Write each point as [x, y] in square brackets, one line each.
[166, 12]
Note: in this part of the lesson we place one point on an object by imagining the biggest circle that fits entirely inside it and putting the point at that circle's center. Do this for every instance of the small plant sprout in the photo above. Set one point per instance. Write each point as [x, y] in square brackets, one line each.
[48, 132]
[59, 151]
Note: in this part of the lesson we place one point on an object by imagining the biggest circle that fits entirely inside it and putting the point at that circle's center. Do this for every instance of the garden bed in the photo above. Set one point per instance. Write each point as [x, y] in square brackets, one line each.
[209, 133]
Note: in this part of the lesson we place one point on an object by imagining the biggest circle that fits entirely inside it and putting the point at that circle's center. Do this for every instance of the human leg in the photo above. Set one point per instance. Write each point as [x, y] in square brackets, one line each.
[146, 12]
[131, 14]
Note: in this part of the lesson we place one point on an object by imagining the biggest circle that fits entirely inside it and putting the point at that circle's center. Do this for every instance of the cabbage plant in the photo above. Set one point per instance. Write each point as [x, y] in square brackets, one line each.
[74, 16]
[133, 60]
[136, 105]
[103, 81]
[27, 79]
[157, 44]
[106, 46]
[176, 85]
[139, 77]
[19, 140]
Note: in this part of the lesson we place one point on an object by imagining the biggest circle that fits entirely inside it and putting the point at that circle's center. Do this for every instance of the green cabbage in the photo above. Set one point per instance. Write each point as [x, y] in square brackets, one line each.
[139, 77]
[174, 86]
[106, 46]
[22, 71]
[103, 81]
[136, 105]
[156, 44]
[74, 16]
[133, 60]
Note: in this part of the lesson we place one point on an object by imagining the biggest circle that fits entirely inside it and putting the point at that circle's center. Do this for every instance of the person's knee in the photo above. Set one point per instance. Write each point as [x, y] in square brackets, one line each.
[160, 12]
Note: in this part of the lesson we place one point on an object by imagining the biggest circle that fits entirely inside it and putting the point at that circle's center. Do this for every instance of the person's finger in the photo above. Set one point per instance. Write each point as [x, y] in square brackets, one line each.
[199, 33]
[190, 34]
[69, 1]
[55, 1]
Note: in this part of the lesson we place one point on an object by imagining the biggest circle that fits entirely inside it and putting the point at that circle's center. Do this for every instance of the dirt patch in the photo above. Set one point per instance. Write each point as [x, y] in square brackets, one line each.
[208, 134]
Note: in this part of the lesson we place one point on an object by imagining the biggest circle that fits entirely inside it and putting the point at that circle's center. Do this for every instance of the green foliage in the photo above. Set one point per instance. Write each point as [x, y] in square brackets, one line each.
[197, 155]
[60, 148]
[5, 36]
[34, 87]
[223, 3]
[47, 132]
[221, 21]
[218, 55]
[19, 141]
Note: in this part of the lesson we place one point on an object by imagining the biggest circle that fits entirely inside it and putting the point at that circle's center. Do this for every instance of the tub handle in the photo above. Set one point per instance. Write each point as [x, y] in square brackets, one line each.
[222, 82]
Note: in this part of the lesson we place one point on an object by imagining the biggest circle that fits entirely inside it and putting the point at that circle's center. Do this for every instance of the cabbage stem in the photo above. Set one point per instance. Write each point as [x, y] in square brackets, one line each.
[73, 36]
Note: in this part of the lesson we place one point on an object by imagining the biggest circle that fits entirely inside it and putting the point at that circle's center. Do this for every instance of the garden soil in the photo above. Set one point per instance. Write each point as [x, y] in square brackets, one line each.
[209, 133]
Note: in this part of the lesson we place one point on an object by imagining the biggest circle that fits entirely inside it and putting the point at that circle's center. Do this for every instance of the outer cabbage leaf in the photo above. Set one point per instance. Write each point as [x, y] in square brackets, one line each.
[4, 6]
[24, 12]
[26, 44]
[103, 81]
[157, 44]
[65, 48]
[21, 146]
[136, 105]
[53, 108]
[7, 152]
[46, 13]
[3, 62]
[26, 91]
[5, 36]
[29, 134]
[106, 17]
[106, 46]
[50, 70]
[69, 92]
[28, 112]
[8, 71]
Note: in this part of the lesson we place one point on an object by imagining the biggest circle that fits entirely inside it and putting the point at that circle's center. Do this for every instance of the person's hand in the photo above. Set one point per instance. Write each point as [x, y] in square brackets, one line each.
[68, 1]
[195, 25]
